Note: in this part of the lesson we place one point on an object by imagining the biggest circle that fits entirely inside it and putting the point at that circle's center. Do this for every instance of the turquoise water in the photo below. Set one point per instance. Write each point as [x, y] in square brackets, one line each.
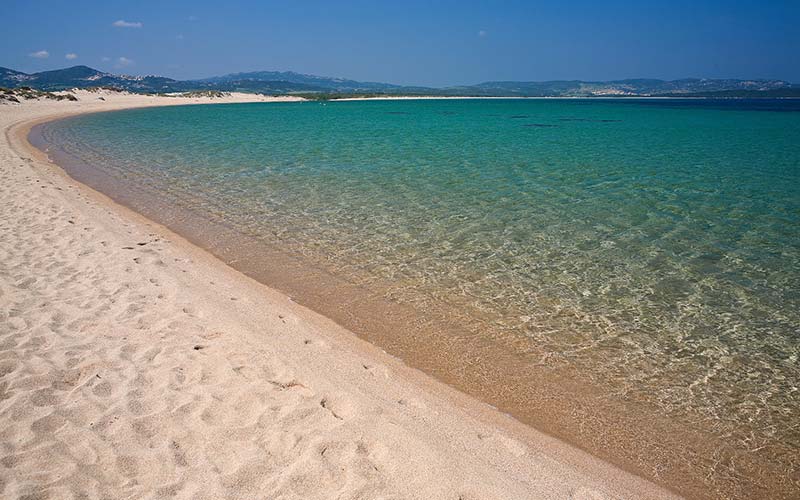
[653, 245]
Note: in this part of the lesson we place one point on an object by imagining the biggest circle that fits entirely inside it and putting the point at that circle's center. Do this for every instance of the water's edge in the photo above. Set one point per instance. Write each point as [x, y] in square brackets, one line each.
[558, 401]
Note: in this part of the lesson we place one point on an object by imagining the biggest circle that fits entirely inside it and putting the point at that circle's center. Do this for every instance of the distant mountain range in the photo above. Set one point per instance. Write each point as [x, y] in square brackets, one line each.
[288, 82]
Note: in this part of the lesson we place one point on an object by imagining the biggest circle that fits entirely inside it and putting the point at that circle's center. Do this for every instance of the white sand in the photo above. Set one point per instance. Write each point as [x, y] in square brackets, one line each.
[135, 365]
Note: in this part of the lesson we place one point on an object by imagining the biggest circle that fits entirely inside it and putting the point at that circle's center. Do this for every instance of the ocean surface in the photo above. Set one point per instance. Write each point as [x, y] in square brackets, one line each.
[651, 247]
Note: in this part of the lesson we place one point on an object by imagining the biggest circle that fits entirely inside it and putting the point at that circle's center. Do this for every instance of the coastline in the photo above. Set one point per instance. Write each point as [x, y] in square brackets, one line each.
[695, 455]
[374, 412]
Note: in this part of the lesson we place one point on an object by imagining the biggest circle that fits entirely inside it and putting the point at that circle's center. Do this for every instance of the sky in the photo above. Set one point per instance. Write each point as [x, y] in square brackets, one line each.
[436, 43]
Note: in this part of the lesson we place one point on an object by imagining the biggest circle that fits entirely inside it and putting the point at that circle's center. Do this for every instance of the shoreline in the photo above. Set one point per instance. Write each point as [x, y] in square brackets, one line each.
[681, 453]
[527, 444]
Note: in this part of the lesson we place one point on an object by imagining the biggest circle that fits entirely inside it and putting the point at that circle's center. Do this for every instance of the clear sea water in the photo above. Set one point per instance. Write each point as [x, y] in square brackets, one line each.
[653, 246]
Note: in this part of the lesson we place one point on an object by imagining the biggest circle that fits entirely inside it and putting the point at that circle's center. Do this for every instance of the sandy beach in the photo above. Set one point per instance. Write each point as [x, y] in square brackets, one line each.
[134, 364]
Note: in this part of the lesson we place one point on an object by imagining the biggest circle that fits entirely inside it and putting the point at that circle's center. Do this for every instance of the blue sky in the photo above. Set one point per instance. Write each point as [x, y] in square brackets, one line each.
[427, 43]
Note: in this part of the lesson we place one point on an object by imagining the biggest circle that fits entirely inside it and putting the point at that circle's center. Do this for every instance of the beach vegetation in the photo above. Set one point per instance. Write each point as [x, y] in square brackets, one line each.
[14, 95]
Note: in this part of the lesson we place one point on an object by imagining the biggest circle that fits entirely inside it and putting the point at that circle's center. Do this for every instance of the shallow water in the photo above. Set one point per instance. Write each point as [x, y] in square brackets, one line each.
[652, 246]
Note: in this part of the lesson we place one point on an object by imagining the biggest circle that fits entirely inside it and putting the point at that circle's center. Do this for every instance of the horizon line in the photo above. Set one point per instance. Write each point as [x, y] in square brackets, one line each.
[145, 75]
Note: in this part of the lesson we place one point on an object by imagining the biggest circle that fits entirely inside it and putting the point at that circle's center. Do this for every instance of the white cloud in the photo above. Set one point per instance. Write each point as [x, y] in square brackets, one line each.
[105, 59]
[71, 56]
[42, 54]
[482, 33]
[179, 37]
[124, 62]
[126, 24]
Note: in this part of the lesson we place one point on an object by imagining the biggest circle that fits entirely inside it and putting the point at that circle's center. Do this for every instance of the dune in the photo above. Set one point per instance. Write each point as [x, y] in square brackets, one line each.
[134, 364]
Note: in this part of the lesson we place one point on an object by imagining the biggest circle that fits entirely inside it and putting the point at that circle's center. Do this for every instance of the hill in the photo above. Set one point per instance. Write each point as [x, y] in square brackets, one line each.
[289, 82]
